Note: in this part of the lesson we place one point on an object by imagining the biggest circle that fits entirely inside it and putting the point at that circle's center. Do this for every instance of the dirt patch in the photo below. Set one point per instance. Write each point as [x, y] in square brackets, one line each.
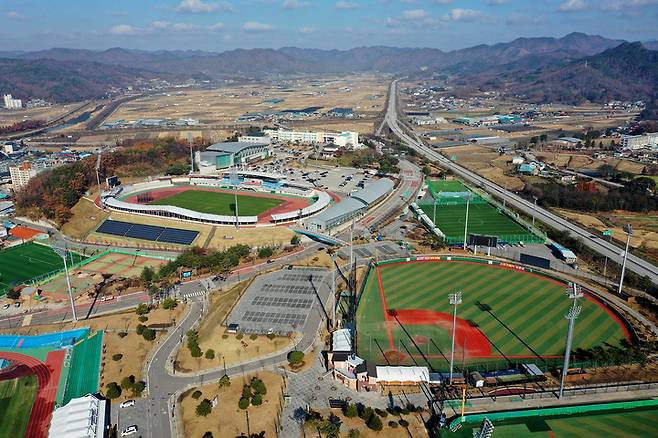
[416, 425]
[227, 419]
[86, 218]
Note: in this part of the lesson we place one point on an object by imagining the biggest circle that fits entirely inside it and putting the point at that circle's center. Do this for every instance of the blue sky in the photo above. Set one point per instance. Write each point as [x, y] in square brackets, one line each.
[223, 25]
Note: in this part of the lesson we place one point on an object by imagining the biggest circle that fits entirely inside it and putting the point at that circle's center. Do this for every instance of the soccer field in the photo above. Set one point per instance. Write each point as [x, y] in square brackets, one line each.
[16, 399]
[219, 203]
[26, 262]
[404, 313]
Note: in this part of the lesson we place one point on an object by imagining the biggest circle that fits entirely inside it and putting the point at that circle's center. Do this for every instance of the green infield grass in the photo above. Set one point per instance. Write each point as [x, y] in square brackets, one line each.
[525, 315]
[219, 203]
[23, 263]
[16, 399]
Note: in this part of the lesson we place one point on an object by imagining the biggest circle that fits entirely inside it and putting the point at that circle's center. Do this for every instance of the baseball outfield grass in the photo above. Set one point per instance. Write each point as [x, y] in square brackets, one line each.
[25, 262]
[16, 399]
[404, 314]
[219, 203]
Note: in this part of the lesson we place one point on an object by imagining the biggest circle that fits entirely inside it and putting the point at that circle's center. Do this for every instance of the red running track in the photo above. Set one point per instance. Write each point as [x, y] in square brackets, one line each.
[48, 379]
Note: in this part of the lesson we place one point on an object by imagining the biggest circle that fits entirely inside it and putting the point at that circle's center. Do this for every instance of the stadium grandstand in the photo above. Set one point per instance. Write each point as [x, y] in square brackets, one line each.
[225, 155]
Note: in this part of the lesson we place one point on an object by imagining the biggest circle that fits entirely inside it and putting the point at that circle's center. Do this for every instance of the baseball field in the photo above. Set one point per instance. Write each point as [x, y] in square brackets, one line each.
[219, 203]
[24, 263]
[404, 314]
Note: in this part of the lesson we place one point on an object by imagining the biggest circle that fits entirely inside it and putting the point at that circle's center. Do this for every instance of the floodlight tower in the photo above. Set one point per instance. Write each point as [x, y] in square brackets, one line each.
[189, 141]
[455, 300]
[233, 175]
[629, 232]
[62, 253]
[574, 292]
[468, 203]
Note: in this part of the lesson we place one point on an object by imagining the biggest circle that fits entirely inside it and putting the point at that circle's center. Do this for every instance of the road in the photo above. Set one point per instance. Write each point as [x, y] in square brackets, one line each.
[635, 264]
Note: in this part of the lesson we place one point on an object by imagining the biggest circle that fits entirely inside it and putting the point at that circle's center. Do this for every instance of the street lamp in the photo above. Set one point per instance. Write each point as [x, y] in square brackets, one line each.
[629, 232]
[455, 300]
[534, 211]
[468, 202]
[62, 253]
[574, 292]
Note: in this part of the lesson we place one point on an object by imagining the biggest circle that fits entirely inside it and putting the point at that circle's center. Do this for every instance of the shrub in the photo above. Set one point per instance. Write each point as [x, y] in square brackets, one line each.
[195, 351]
[393, 424]
[265, 252]
[243, 403]
[381, 413]
[295, 357]
[420, 409]
[117, 357]
[122, 334]
[143, 318]
[403, 422]
[13, 294]
[204, 408]
[142, 309]
[257, 400]
[208, 435]
[246, 391]
[138, 387]
[404, 411]
[374, 423]
[366, 413]
[112, 390]
[294, 240]
[351, 411]
[128, 382]
[169, 303]
[148, 334]
[239, 336]
[210, 354]
[224, 381]
[271, 336]
[140, 329]
[354, 433]
[225, 336]
[197, 394]
[253, 337]
[258, 386]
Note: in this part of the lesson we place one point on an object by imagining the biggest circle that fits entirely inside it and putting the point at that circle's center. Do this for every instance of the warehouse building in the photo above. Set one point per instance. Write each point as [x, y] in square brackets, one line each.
[225, 155]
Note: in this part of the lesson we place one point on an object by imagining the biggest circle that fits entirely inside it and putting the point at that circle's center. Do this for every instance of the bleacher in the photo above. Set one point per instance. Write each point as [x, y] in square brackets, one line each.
[147, 232]
[85, 362]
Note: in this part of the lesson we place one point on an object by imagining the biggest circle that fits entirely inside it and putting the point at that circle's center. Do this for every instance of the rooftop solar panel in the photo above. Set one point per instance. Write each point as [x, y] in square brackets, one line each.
[176, 235]
[146, 232]
[116, 228]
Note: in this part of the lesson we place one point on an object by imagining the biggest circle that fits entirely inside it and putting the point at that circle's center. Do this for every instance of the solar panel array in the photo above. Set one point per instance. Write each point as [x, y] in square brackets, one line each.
[147, 232]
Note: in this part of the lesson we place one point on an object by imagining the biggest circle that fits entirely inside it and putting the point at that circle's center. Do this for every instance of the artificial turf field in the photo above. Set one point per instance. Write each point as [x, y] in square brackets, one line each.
[526, 305]
[25, 262]
[219, 203]
[16, 399]
[629, 423]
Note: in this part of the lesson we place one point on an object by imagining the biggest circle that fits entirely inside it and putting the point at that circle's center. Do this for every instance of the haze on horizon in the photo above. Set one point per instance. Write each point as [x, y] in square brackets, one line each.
[225, 25]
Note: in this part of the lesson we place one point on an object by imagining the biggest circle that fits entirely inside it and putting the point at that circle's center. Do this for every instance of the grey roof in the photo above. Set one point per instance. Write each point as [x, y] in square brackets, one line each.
[233, 147]
[344, 207]
[374, 191]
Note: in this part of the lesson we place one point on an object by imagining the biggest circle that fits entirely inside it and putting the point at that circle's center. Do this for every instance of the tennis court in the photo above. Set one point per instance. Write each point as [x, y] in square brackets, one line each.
[404, 314]
[29, 262]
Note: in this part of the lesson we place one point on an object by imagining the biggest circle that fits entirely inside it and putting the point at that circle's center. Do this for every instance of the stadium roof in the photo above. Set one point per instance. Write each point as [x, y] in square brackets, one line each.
[233, 147]
[346, 206]
[403, 374]
[341, 340]
[374, 191]
[83, 417]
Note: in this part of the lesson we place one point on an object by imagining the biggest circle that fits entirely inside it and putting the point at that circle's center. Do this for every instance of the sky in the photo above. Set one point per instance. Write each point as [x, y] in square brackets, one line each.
[225, 25]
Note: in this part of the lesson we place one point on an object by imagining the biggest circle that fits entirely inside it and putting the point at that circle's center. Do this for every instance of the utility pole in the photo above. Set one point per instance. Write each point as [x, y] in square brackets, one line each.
[574, 293]
[455, 300]
[629, 232]
[468, 202]
[62, 253]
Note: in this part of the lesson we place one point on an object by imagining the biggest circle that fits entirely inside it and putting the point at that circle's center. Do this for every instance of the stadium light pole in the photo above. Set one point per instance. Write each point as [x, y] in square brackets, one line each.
[629, 232]
[534, 211]
[62, 253]
[574, 293]
[468, 203]
[434, 215]
[333, 291]
[455, 300]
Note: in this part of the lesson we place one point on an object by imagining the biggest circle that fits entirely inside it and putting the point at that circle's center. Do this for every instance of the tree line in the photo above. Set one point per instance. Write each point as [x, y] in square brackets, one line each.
[24, 125]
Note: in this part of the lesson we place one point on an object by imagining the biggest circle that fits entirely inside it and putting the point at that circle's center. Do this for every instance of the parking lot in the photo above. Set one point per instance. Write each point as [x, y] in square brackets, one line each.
[280, 302]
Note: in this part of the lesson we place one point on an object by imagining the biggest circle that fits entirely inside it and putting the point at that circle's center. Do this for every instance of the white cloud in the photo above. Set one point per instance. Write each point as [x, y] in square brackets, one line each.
[346, 5]
[202, 7]
[306, 29]
[184, 27]
[460, 14]
[495, 2]
[255, 26]
[13, 15]
[216, 27]
[414, 14]
[160, 24]
[519, 19]
[620, 5]
[295, 4]
[124, 29]
[442, 2]
[572, 6]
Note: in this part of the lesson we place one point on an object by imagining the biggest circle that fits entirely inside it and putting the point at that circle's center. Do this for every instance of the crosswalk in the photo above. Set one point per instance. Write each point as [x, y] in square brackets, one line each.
[193, 294]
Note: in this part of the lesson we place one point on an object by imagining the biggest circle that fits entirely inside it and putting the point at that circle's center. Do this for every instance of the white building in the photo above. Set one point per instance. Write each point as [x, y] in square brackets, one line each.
[261, 139]
[83, 417]
[343, 139]
[632, 142]
[20, 175]
[11, 103]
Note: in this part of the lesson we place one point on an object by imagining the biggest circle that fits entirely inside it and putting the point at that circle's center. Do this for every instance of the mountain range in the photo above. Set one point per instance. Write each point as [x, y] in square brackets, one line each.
[522, 66]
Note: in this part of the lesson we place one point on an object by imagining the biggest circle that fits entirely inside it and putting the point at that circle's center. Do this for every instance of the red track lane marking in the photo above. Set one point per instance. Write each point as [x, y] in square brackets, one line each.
[387, 317]
[551, 434]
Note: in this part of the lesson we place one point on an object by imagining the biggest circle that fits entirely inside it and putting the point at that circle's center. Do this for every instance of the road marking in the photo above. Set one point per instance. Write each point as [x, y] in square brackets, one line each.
[193, 294]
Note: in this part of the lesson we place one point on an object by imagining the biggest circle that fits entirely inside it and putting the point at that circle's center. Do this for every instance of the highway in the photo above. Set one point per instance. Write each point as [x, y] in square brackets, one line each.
[635, 264]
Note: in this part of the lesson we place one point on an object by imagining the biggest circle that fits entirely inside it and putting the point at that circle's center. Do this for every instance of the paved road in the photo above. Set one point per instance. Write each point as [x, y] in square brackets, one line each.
[634, 263]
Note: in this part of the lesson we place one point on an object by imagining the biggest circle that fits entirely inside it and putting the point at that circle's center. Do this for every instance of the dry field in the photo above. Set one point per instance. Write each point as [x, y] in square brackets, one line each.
[8, 117]
[225, 105]
[487, 163]
[582, 161]
[227, 419]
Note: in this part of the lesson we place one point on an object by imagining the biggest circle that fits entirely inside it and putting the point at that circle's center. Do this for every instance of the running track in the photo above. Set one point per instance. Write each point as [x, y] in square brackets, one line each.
[48, 380]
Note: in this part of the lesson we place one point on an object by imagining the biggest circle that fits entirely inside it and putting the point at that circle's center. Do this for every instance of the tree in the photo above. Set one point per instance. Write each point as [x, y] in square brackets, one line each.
[294, 240]
[210, 354]
[208, 435]
[112, 390]
[169, 303]
[426, 170]
[246, 391]
[13, 294]
[197, 394]
[258, 386]
[148, 334]
[142, 309]
[257, 400]
[354, 433]
[374, 423]
[147, 276]
[295, 358]
[138, 388]
[204, 408]
[140, 329]
[243, 403]
[366, 413]
[403, 422]
[351, 411]
[117, 357]
[265, 252]
[127, 382]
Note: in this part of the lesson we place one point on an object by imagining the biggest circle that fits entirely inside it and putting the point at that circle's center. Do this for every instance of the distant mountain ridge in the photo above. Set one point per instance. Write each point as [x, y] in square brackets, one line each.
[515, 59]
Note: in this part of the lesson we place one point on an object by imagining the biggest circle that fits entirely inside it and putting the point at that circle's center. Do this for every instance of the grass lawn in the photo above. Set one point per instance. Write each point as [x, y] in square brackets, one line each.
[25, 262]
[16, 399]
[528, 306]
[219, 203]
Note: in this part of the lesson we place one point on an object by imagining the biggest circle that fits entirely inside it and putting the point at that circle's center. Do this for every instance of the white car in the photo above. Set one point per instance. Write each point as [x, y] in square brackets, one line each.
[130, 430]
[127, 404]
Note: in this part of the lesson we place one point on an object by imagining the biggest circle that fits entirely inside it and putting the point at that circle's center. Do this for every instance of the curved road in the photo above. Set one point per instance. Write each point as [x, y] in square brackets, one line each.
[634, 263]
